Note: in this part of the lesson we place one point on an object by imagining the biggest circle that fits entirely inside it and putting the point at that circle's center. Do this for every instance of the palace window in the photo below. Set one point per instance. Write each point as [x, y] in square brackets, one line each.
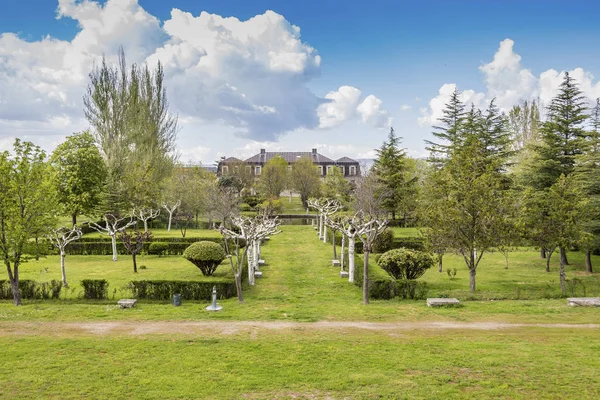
[257, 170]
[225, 169]
[352, 170]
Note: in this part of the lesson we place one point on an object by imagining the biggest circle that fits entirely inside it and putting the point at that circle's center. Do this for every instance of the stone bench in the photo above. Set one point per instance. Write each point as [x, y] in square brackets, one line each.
[584, 301]
[258, 274]
[440, 302]
[344, 274]
[335, 263]
[127, 303]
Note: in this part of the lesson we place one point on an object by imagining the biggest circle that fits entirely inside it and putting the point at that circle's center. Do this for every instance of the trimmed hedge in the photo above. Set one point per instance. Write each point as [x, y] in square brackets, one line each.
[413, 243]
[189, 290]
[95, 289]
[103, 247]
[158, 248]
[31, 289]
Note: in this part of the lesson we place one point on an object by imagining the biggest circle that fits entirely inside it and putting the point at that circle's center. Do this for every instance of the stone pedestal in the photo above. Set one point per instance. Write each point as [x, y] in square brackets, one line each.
[344, 274]
[258, 274]
[440, 302]
[127, 303]
[584, 301]
[335, 263]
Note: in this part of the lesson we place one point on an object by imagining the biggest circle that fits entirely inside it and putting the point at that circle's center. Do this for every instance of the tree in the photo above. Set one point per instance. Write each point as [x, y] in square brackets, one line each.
[134, 243]
[524, 123]
[128, 111]
[274, 177]
[112, 227]
[145, 215]
[80, 174]
[60, 238]
[466, 196]
[390, 169]
[305, 179]
[27, 205]
[336, 186]
[405, 264]
[205, 255]
[563, 137]
[447, 132]
[222, 203]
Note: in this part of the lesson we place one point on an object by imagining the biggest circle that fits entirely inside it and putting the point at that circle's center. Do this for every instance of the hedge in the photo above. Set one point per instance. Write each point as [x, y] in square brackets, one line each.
[32, 290]
[95, 289]
[189, 290]
[413, 243]
[103, 247]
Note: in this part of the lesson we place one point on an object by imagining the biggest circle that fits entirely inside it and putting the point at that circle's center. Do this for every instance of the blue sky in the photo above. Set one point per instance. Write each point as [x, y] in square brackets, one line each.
[404, 54]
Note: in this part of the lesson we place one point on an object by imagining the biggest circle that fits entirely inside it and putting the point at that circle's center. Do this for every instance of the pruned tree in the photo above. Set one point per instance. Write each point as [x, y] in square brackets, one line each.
[347, 227]
[171, 208]
[183, 221]
[325, 208]
[113, 226]
[367, 229]
[145, 215]
[61, 238]
[134, 243]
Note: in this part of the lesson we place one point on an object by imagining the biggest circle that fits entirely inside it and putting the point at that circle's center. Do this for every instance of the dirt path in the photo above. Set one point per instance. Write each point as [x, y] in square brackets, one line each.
[238, 327]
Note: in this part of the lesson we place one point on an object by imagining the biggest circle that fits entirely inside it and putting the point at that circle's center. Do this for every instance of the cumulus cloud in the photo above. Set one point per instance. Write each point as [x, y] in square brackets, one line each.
[509, 82]
[344, 104]
[405, 107]
[251, 75]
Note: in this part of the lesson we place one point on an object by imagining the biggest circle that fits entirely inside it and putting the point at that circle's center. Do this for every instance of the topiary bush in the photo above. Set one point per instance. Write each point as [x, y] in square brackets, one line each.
[406, 264]
[158, 248]
[205, 255]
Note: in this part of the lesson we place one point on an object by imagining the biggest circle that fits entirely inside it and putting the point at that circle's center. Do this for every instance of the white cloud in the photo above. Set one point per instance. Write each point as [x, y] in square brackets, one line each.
[405, 107]
[340, 108]
[373, 114]
[509, 82]
[251, 75]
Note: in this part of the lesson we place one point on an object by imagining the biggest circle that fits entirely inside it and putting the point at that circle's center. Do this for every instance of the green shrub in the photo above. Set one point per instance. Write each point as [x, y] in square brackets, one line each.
[406, 264]
[32, 290]
[205, 255]
[95, 289]
[189, 290]
[158, 248]
[384, 241]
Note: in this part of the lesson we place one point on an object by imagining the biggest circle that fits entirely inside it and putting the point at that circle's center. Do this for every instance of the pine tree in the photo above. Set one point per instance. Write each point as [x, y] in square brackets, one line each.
[563, 137]
[389, 167]
[495, 135]
[448, 132]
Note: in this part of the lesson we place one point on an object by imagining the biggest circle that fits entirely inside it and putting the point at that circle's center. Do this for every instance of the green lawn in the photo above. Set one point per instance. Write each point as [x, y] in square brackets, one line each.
[299, 284]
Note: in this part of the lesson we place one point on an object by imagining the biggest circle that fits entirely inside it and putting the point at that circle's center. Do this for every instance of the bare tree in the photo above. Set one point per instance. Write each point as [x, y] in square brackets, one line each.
[348, 229]
[134, 243]
[60, 238]
[113, 226]
[183, 221]
[325, 208]
[222, 203]
[171, 207]
[145, 215]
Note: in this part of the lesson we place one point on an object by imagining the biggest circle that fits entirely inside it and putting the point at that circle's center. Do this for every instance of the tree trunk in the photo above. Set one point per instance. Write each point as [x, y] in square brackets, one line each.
[366, 277]
[506, 258]
[255, 254]
[238, 288]
[543, 252]
[343, 256]
[334, 246]
[113, 239]
[171, 217]
[320, 226]
[324, 232]
[563, 256]
[250, 264]
[14, 283]
[588, 261]
[145, 226]
[393, 215]
[134, 263]
[351, 243]
[62, 268]
[563, 275]
[74, 219]
[548, 257]
[440, 262]
[472, 270]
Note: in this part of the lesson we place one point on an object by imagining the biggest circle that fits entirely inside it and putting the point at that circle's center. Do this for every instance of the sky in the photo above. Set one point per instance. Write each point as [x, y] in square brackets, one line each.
[292, 75]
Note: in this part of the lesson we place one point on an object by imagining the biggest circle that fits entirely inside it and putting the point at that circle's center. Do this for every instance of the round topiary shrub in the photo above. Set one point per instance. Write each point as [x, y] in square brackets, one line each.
[384, 241]
[406, 264]
[158, 248]
[205, 255]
